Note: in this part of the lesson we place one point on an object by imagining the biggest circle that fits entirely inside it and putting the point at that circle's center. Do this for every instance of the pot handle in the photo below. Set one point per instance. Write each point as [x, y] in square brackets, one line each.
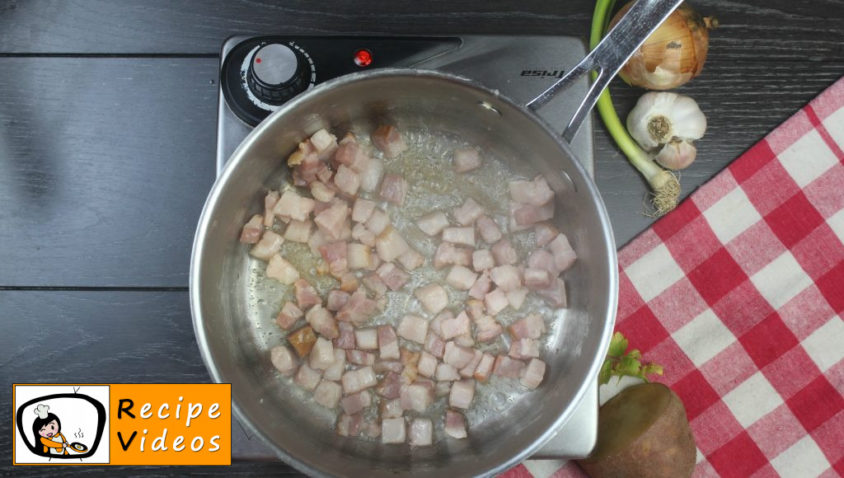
[608, 57]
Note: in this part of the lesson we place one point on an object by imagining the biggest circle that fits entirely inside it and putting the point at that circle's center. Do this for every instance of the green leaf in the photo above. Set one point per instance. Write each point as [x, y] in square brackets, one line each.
[620, 363]
[618, 345]
[606, 373]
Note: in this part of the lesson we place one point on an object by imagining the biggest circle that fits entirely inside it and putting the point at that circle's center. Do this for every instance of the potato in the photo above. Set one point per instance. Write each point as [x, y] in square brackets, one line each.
[642, 432]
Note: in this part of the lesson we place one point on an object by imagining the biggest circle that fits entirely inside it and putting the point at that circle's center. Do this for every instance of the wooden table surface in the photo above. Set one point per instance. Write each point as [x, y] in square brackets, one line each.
[107, 144]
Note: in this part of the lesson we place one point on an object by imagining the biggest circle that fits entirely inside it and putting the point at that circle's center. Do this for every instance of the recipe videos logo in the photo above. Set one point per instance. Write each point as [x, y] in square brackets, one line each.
[122, 424]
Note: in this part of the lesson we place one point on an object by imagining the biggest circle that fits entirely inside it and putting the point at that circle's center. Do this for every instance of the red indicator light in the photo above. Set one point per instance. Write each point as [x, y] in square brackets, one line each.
[363, 58]
[257, 60]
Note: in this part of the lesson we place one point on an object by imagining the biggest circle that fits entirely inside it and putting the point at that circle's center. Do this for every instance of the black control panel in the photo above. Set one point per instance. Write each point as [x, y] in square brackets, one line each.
[261, 73]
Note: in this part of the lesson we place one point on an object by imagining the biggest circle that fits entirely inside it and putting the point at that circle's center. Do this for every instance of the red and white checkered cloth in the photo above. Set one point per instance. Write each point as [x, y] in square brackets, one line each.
[739, 293]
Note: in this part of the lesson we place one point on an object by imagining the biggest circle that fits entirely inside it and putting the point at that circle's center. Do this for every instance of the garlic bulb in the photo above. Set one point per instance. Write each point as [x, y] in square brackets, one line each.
[660, 118]
[676, 155]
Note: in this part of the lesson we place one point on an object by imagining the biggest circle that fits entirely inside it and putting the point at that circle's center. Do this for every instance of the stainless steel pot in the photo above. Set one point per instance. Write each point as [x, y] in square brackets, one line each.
[233, 319]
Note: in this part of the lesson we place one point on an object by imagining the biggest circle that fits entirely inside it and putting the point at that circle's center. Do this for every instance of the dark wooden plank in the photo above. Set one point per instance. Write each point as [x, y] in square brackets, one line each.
[104, 167]
[743, 101]
[774, 30]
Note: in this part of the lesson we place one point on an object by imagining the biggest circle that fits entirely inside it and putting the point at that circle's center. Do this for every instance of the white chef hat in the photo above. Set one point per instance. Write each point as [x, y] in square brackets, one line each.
[42, 411]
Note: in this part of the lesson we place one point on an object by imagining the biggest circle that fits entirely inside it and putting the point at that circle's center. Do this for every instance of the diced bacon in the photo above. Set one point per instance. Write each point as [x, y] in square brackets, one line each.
[281, 270]
[359, 256]
[298, 231]
[537, 278]
[555, 294]
[328, 394]
[283, 360]
[371, 430]
[356, 380]
[531, 326]
[331, 220]
[307, 377]
[317, 240]
[393, 189]
[507, 367]
[409, 359]
[359, 357]
[359, 308]
[516, 297]
[475, 309]
[391, 408]
[321, 192]
[269, 203]
[366, 339]
[433, 298]
[482, 260]
[388, 139]
[469, 370]
[506, 277]
[336, 299]
[347, 180]
[320, 206]
[335, 255]
[302, 340]
[325, 144]
[268, 246]
[413, 328]
[324, 173]
[466, 159]
[542, 259]
[446, 373]
[348, 282]
[362, 234]
[524, 348]
[378, 221]
[447, 253]
[457, 326]
[292, 206]
[416, 397]
[322, 354]
[411, 259]
[306, 295]
[306, 171]
[442, 389]
[351, 154]
[334, 372]
[346, 340]
[427, 365]
[362, 210]
[481, 286]
[388, 342]
[496, 301]
[393, 430]
[392, 276]
[455, 425]
[322, 321]
[487, 328]
[375, 284]
[533, 374]
[436, 324]
[356, 402]
[252, 230]
[390, 244]
[349, 425]
[370, 175]
[457, 356]
[484, 368]
[432, 223]
[434, 344]
[545, 232]
[460, 235]
[305, 150]
[289, 315]
[384, 366]
[468, 212]
[504, 253]
[465, 340]
[488, 230]
[390, 386]
[527, 215]
[536, 192]
[421, 432]
[564, 255]
[462, 393]
[461, 278]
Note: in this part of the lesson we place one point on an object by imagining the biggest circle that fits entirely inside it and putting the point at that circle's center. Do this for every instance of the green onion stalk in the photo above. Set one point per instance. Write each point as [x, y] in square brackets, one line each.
[665, 186]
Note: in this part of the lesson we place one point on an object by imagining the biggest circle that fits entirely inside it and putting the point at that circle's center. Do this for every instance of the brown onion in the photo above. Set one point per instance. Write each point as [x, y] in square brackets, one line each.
[673, 54]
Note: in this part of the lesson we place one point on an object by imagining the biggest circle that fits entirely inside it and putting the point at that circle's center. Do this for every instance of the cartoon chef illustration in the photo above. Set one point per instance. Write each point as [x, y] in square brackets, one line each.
[47, 429]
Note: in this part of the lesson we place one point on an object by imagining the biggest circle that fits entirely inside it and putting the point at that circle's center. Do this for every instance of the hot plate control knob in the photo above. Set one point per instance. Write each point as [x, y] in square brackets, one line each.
[277, 73]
